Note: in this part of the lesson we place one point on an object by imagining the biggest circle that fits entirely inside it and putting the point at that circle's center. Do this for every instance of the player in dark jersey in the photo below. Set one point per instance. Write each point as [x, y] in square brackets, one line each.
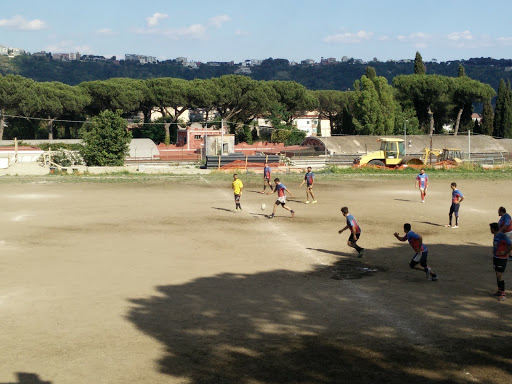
[281, 198]
[355, 231]
[267, 171]
[309, 178]
[457, 198]
[502, 246]
[419, 260]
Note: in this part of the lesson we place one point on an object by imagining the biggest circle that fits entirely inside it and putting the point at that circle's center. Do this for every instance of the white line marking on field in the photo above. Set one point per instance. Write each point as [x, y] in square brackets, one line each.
[33, 196]
[20, 217]
[290, 240]
[405, 326]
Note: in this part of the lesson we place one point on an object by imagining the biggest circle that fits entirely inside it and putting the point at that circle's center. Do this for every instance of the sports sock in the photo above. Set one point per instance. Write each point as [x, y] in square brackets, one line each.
[501, 286]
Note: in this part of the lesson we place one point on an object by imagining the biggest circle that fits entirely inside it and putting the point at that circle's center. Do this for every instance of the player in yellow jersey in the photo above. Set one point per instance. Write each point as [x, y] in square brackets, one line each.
[237, 186]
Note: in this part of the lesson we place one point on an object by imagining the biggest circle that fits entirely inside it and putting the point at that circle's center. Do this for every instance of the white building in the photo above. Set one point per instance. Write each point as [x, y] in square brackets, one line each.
[140, 58]
[3, 50]
[312, 124]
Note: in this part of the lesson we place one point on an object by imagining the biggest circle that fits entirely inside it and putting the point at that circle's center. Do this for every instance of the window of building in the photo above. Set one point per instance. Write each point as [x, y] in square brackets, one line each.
[197, 137]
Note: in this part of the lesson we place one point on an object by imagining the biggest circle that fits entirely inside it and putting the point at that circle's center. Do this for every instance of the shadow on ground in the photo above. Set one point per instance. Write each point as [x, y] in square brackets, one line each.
[28, 378]
[304, 327]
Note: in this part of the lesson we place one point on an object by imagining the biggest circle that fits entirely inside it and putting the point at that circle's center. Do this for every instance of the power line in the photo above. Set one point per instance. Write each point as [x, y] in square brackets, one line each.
[138, 123]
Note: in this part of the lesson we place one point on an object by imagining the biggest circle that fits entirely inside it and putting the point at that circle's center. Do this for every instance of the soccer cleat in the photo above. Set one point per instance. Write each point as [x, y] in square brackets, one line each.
[306, 202]
[314, 201]
[447, 225]
[293, 213]
[271, 216]
[422, 201]
[427, 272]
[361, 253]
[502, 297]
[434, 277]
[496, 294]
[262, 192]
[455, 226]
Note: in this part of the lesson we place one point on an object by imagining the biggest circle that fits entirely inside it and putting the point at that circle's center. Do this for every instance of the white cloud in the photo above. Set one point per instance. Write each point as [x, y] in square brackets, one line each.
[154, 20]
[458, 36]
[348, 37]
[217, 21]
[19, 22]
[194, 31]
[504, 40]
[414, 37]
[384, 38]
[67, 46]
[240, 32]
[105, 32]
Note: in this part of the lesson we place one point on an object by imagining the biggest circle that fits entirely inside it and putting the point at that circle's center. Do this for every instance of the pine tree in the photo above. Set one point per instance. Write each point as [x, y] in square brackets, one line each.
[419, 67]
[507, 113]
[500, 109]
[371, 73]
[462, 71]
[487, 123]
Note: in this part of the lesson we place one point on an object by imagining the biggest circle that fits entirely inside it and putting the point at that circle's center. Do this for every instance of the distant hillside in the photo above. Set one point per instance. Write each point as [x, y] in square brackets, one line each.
[339, 76]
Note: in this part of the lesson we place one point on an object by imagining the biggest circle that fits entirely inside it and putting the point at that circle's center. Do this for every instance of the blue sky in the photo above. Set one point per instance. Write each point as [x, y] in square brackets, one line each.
[225, 30]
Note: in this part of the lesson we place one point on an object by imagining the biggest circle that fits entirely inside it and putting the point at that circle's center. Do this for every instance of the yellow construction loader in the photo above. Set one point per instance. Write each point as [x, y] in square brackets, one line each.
[392, 154]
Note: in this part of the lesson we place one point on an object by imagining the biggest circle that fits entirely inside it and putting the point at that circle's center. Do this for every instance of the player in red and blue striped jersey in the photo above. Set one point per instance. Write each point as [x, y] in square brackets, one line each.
[309, 178]
[422, 181]
[419, 260]
[502, 246]
[355, 231]
[281, 198]
[267, 172]
[505, 222]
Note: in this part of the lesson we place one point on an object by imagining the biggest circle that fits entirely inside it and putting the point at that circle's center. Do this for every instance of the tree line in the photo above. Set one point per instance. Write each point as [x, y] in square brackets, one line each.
[419, 103]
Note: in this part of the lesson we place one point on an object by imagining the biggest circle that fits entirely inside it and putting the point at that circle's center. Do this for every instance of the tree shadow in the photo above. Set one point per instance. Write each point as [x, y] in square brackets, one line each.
[28, 378]
[286, 326]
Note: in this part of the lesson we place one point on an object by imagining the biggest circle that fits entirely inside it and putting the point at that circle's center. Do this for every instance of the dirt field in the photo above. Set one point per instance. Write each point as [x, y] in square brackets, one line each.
[162, 282]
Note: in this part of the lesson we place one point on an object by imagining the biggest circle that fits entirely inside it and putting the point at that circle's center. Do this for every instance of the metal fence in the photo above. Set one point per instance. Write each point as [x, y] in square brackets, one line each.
[319, 162]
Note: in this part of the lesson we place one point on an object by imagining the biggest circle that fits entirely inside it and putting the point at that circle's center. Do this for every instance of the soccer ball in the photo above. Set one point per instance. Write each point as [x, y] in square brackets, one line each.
[263, 206]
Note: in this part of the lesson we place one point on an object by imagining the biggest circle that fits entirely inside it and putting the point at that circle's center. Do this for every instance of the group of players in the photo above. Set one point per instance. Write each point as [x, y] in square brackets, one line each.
[502, 230]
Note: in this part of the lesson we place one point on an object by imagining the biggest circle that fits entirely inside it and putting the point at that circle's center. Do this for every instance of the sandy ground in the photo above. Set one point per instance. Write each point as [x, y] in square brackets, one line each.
[163, 282]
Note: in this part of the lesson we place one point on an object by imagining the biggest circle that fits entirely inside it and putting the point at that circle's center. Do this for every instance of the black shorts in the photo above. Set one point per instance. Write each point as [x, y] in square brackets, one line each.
[454, 208]
[352, 239]
[499, 264]
[309, 185]
[420, 259]
[267, 179]
[237, 198]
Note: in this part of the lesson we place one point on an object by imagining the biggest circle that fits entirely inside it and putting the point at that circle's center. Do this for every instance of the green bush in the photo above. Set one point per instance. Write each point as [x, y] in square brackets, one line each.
[106, 140]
